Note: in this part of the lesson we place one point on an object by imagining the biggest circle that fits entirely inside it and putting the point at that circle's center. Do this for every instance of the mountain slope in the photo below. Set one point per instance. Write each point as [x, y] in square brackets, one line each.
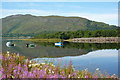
[24, 24]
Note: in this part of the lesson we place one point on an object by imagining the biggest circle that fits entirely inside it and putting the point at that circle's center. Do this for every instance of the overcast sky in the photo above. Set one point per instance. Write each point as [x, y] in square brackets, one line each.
[98, 11]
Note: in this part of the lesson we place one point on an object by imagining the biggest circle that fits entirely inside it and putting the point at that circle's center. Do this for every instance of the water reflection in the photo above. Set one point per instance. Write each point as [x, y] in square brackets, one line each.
[82, 55]
[42, 51]
[106, 60]
[47, 49]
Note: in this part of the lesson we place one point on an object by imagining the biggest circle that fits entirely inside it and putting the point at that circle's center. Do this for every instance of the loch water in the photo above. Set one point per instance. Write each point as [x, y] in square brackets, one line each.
[82, 55]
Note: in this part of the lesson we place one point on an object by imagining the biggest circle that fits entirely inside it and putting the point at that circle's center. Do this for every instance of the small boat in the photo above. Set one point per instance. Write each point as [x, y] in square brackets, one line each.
[59, 44]
[10, 44]
[30, 45]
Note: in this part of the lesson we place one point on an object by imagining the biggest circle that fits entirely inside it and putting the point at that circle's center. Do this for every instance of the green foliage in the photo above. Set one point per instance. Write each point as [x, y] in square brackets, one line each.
[79, 34]
[19, 35]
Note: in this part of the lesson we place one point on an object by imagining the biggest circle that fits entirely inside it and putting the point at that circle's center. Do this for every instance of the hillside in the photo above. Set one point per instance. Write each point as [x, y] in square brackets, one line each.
[25, 24]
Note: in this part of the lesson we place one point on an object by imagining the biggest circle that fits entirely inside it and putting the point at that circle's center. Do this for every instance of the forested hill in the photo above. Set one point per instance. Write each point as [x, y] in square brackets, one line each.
[25, 24]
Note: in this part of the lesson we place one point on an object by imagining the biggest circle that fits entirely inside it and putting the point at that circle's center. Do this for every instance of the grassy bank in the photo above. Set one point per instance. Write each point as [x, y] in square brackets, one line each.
[44, 40]
[40, 40]
[81, 40]
[15, 66]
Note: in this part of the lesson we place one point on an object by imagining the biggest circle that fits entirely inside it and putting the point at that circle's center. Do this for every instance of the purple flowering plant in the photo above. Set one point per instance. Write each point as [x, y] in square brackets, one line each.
[16, 66]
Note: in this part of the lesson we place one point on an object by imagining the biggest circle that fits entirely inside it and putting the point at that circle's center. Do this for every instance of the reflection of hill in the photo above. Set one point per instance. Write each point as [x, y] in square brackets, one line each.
[49, 50]
[43, 51]
[88, 46]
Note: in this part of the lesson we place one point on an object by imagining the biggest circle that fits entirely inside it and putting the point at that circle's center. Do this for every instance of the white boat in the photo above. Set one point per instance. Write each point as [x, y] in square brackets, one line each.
[59, 44]
[10, 44]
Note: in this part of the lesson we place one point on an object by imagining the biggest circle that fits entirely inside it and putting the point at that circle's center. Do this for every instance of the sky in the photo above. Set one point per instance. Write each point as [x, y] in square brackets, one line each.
[60, 0]
[106, 12]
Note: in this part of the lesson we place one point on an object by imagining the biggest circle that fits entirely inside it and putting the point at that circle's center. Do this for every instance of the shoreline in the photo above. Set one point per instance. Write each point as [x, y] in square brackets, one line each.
[39, 40]
[95, 40]
[80, 40]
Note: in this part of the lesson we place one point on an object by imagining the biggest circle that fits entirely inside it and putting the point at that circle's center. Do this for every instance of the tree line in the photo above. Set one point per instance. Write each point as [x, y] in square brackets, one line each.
[18, 35]
[80, 34]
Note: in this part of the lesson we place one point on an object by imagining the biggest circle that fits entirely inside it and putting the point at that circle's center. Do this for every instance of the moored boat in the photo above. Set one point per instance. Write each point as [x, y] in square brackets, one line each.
[59, 44]
[10, 44]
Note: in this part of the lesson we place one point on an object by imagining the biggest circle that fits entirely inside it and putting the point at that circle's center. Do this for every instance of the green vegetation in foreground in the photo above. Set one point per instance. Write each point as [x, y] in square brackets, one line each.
[15, 66]
[79, 34]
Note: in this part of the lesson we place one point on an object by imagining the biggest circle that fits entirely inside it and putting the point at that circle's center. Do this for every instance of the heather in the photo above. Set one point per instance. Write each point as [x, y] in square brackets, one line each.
[16, 66]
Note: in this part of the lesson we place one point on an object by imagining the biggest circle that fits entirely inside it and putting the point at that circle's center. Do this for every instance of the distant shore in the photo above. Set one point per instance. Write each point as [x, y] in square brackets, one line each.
[81, 40]
[96, 40]
[39, 40]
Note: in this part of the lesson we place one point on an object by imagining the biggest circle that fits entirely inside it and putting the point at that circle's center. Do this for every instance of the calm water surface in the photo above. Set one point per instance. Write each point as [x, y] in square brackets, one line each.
[81, 55]
[106, 60]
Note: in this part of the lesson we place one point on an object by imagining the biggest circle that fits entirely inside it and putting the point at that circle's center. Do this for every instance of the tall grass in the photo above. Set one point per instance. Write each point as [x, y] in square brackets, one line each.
[16, 66]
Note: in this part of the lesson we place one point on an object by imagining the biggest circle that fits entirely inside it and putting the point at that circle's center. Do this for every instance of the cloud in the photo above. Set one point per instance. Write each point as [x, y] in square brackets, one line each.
[107, 18]
[61, 1]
